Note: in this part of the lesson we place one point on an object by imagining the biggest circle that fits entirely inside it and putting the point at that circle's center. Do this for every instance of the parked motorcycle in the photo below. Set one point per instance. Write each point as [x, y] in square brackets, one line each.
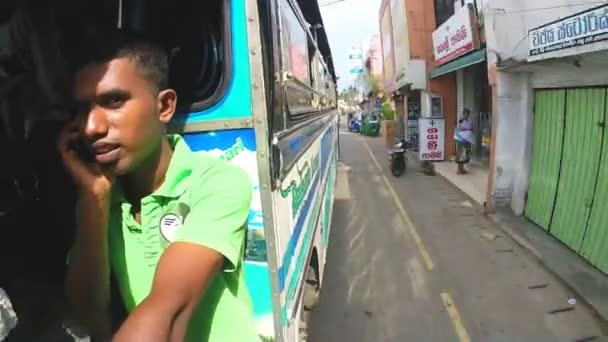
[397, 158]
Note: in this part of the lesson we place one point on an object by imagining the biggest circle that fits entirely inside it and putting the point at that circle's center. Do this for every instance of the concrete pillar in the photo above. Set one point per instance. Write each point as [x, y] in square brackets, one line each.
[459, 92]
[513, 140]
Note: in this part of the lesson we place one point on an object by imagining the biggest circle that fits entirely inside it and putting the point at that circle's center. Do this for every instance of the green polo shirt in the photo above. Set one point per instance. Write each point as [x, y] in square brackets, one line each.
[205, 201]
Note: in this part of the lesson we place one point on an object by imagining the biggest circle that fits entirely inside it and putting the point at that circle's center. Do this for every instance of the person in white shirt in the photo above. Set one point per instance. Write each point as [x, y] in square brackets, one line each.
[464, 140]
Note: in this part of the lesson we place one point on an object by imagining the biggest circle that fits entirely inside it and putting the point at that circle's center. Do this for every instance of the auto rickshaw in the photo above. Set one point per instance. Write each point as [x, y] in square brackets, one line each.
[371, 125]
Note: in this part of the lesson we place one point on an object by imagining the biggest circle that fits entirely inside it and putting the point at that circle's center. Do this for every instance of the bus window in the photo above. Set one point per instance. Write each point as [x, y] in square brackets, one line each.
[199, 68]
[197, 35]
[296, 62]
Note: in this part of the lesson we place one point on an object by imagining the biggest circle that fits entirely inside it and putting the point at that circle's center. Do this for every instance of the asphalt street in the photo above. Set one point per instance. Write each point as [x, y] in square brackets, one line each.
[413, 259]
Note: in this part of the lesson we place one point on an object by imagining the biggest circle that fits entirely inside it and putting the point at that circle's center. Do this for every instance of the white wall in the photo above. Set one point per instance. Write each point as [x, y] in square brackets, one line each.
[585, 70]
[506, 24]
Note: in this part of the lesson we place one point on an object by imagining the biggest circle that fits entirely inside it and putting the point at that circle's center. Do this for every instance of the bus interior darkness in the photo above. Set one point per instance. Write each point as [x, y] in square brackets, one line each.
[36, 195]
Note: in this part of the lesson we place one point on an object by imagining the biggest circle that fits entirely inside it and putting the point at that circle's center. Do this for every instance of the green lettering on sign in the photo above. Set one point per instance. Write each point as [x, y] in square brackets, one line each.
[299, 191]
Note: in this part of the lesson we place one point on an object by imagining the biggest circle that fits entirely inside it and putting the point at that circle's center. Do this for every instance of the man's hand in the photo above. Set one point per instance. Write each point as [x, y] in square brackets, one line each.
[88, 272]
[90, 177]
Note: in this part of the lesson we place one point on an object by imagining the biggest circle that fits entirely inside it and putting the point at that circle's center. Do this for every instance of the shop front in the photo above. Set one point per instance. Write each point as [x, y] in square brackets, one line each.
[459, 54]
[569, 166]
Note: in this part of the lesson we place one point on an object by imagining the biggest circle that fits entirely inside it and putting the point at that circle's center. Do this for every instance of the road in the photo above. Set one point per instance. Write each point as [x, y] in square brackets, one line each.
[411, 259]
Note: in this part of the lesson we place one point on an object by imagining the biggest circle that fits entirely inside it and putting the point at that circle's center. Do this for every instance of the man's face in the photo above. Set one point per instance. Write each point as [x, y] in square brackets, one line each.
[120, 113]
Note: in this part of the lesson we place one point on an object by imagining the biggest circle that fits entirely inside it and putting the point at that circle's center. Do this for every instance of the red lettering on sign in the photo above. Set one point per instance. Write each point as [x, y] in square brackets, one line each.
[432, 137]
[432, 130]
[432, 155]
[443, 46]
[460, 35]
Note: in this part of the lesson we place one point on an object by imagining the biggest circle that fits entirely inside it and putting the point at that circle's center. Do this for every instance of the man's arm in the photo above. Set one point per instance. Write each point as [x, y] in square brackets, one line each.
[87, 282]
[88, 271]
[177, 288]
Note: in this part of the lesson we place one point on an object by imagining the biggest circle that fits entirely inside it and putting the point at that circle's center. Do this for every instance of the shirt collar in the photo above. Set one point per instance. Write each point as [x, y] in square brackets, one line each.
[180, 168]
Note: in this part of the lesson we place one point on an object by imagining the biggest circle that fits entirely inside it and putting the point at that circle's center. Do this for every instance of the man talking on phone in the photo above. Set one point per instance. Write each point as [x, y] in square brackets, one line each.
[168, 223]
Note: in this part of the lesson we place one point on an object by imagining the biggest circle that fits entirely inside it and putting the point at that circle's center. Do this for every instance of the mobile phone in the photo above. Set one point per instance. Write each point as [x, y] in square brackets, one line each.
[83, 150]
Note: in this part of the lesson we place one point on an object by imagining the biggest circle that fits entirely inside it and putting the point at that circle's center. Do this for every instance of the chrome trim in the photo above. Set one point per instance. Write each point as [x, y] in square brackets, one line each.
[260, 124]
[206, 126]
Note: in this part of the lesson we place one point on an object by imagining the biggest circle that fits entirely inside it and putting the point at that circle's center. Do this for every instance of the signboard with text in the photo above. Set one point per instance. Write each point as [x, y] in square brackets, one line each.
[457, 36]
[583, 28]
[355, 59]
[432, 138]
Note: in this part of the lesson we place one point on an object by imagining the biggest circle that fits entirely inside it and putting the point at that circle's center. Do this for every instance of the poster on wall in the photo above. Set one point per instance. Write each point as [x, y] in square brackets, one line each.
[238, 147]
[432, 139]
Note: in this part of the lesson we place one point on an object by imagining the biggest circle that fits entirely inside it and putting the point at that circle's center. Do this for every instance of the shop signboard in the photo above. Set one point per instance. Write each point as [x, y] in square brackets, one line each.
[457, 36]
[432, 138]
[587, 27]
[355, 59]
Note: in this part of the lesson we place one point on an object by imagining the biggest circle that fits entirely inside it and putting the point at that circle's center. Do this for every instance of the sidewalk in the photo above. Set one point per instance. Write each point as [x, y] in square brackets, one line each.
[588, 282]
[474, 183]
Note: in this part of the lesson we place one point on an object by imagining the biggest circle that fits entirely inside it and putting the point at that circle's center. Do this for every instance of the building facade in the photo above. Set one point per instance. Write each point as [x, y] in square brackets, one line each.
[548, 69]
[373, 56]
[406, 28]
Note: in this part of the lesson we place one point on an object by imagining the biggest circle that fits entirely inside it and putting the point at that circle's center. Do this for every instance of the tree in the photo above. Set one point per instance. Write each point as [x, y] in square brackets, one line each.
[349, 95]
[387, 111]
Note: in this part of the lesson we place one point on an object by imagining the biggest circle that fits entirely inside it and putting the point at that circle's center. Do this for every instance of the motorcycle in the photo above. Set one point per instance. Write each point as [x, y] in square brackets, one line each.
[397, 158]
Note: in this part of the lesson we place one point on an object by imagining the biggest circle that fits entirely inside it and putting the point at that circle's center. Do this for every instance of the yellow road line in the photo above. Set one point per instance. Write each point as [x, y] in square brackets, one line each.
[426, 257]
[369, 150]
[463, 335]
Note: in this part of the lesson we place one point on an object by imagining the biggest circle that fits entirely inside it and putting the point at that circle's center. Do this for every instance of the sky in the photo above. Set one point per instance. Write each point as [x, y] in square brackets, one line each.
[347, 23]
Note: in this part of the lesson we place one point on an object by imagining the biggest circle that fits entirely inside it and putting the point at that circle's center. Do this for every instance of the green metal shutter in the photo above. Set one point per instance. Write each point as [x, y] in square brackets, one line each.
[595, 244]
[549, 108]
[580, 162]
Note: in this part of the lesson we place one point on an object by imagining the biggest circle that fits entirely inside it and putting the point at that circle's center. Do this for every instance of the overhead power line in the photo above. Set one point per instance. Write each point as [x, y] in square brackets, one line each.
[331, 3]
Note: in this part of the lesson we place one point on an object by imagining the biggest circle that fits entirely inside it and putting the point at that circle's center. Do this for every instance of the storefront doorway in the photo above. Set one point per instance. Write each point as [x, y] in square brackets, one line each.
[475, 94]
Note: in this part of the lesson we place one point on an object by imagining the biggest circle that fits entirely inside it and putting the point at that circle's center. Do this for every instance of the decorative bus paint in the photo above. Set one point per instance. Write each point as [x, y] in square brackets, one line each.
[288, 150]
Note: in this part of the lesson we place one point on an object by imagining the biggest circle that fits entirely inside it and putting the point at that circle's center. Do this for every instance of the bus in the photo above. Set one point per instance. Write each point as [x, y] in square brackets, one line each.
[256, 86]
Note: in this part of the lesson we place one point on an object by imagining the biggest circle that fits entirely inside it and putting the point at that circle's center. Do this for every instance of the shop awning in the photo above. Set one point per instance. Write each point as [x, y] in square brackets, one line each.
[462, 62]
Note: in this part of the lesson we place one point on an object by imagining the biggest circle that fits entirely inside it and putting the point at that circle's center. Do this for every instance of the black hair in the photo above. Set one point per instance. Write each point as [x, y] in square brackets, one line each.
[150, 59]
